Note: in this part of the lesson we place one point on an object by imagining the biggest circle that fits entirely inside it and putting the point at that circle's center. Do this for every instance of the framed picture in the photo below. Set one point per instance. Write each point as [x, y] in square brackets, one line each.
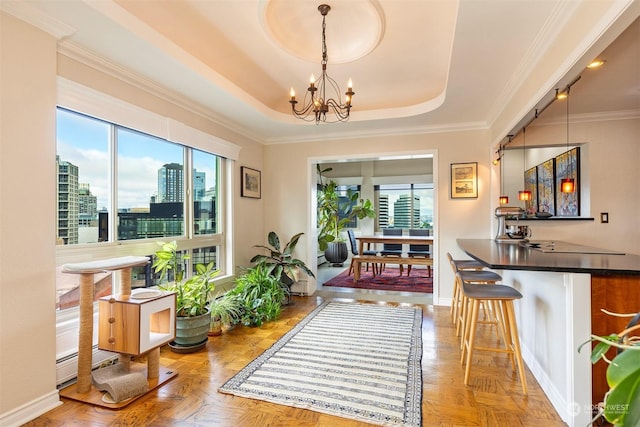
[546, 187]
[251, 183]
[568, 166]
[531, 184]
[464, 180]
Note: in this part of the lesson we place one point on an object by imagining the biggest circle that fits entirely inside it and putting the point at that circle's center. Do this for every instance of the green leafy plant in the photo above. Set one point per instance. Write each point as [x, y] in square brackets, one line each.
[621, 405]
[260, 295]
[280, 262]
[225, 310]
[193, 294]
[335, 212]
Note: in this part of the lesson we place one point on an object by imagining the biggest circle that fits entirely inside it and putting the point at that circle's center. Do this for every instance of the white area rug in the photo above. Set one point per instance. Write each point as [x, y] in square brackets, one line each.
[359, 361]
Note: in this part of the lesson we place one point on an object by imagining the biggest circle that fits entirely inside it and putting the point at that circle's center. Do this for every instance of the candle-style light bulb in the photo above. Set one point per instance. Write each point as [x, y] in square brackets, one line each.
[293, 94]
[350, 85]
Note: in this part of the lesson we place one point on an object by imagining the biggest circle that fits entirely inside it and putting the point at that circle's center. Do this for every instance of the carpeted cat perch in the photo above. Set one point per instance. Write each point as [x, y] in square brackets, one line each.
[119, 383]
[129, 325]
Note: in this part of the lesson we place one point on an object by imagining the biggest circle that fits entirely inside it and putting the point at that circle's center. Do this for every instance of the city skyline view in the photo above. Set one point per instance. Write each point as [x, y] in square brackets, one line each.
[84, 142]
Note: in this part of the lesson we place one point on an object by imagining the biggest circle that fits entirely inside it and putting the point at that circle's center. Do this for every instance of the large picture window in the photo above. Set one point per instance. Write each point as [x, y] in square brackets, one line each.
[127, 179]
[406, 206]
[116, 185]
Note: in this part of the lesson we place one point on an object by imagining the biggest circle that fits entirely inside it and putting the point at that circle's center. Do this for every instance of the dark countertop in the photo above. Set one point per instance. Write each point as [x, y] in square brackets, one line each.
[514, 256]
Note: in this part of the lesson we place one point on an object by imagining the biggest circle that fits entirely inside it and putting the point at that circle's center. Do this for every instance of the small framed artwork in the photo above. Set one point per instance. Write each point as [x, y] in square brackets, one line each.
[464, 180]
[546, 189]
[568, 166]
[251, 183]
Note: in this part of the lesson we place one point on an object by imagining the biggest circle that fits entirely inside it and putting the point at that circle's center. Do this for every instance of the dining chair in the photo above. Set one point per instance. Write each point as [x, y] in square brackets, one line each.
[391, 249]
[419, 250]
[355, 252]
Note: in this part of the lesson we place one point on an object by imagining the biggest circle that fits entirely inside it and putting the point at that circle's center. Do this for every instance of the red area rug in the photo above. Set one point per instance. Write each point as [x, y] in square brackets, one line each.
[389, 280]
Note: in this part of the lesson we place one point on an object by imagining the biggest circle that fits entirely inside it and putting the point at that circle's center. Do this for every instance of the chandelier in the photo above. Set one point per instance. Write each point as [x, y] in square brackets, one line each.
[316, 105]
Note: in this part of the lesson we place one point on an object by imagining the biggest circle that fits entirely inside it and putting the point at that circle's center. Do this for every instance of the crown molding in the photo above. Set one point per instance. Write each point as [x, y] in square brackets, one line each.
[379, 133]
[78, 53]
[37, 18]
[601, 116]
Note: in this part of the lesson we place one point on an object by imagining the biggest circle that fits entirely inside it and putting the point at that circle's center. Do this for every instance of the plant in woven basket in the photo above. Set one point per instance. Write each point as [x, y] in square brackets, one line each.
[621, 405]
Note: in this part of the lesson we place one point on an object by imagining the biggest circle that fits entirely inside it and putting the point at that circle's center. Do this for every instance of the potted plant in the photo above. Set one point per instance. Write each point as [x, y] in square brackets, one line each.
[280, 262]
[621, 405]
[193, 294]
[334, 214]
[259, 294]
[225, 311]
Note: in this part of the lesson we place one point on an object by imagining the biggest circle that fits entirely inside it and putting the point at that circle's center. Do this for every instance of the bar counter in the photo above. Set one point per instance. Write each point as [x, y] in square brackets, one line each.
[516, 256]
[564, 288]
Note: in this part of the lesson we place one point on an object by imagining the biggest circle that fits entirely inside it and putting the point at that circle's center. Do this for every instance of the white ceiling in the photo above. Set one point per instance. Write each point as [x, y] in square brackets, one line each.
[416, 65]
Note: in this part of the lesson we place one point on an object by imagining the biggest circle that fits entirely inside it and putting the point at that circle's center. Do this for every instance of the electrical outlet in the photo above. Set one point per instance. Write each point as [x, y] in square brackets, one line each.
[604, 217]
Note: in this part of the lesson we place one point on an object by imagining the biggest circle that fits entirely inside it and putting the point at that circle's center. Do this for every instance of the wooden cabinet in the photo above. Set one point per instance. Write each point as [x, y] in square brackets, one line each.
[134, 325]
[616, 293]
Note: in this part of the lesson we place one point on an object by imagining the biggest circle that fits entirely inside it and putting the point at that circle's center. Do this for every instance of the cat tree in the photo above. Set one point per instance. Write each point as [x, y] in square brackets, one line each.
[130, 325]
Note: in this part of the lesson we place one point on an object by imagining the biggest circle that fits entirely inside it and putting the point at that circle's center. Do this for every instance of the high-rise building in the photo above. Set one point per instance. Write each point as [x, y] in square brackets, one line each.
[170, 183]
[406, 212]
[68, 206]
[87, 215]
[383, 211]
[199, 185]
[87, 202]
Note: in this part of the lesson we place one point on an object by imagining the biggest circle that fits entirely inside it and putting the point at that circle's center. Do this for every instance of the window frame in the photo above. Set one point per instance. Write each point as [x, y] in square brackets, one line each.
[411, 188]
[83, 100]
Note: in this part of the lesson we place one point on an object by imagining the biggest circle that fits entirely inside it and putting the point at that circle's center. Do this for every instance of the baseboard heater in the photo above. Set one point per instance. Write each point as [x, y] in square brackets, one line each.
[67, 367]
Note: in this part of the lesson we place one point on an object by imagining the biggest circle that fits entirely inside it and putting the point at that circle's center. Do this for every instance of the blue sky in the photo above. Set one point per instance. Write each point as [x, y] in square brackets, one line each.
[85, 143]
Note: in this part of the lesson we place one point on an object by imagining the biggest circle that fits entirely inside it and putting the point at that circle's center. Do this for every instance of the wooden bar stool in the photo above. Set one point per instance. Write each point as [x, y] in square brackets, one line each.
[470, 272]
[503, 297]
[460, 265]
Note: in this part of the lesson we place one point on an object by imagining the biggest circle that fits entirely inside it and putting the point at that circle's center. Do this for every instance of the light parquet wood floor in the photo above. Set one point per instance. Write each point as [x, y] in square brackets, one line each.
[494, 397]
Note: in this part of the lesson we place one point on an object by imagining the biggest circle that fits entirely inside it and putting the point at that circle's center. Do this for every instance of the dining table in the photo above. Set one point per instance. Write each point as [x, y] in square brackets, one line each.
[404, 240]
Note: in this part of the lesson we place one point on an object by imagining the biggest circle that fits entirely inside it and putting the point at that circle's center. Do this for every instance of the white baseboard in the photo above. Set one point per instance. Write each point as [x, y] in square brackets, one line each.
[553, 394]
[31, 410]
[443, 301]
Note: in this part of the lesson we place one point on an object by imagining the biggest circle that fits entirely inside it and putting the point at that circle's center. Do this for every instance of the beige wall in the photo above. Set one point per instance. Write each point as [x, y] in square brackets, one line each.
[27, 207]
[290, 174]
